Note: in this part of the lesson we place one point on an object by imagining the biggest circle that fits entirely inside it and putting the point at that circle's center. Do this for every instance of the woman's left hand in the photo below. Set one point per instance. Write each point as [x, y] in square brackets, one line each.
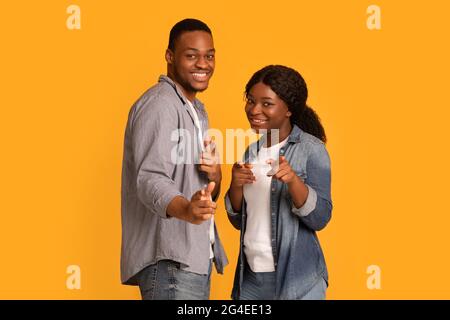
[285, 172]
[297, 189]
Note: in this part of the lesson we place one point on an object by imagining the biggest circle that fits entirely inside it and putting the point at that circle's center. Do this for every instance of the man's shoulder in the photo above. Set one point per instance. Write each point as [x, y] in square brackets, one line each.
[159, 92]
[158, 97]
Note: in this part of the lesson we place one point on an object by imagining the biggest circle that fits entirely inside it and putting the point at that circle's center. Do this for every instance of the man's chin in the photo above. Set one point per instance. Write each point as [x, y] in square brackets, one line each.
[201, 89]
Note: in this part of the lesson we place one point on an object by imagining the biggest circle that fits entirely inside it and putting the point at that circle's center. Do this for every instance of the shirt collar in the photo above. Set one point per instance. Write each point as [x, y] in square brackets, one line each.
[179, 92]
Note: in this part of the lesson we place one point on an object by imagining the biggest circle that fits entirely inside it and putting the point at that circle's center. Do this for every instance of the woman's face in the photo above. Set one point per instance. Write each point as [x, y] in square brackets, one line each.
[265, 110]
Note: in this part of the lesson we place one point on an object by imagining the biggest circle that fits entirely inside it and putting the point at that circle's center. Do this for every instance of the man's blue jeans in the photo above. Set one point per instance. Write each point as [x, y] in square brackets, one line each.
[167, 281]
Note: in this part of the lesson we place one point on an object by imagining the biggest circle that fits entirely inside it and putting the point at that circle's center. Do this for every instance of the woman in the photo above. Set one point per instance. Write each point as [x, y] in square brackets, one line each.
[280, 196]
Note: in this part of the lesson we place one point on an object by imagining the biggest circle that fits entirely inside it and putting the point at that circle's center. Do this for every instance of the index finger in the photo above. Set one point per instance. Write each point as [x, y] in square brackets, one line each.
[239, 164]
[248, 165]
[197, 195]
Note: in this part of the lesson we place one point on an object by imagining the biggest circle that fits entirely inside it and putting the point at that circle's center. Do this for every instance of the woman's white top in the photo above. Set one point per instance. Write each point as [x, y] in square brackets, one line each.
[257, 237]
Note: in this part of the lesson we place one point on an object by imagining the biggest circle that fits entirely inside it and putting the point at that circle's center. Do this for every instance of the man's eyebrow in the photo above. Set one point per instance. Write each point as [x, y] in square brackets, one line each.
[195, 49]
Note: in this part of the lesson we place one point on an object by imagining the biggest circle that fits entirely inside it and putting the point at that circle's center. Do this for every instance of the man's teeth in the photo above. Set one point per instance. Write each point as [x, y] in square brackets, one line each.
[199, 75]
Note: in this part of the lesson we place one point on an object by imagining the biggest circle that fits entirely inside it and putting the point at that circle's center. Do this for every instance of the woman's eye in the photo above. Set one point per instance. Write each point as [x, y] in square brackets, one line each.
[267, 104]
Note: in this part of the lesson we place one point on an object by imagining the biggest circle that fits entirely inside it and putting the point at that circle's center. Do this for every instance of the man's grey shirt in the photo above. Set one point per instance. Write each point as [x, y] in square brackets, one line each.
[160, 131]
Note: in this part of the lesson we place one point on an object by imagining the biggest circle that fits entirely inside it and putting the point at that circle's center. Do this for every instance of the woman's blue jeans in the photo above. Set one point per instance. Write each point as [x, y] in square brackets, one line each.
[261, 286]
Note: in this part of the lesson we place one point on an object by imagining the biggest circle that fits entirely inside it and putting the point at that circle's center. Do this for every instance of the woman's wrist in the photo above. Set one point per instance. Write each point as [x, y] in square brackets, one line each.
[298, 191]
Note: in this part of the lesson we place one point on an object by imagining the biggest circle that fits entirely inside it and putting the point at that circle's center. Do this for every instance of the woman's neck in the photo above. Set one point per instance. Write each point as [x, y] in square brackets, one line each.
[283, 133]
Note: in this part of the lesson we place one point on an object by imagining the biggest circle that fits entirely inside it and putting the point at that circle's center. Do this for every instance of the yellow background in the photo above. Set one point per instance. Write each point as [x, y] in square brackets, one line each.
[382, 96]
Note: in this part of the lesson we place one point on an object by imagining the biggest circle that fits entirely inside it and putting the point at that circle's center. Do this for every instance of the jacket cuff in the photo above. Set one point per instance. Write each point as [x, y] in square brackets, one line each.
[308, 206]
[228, 206]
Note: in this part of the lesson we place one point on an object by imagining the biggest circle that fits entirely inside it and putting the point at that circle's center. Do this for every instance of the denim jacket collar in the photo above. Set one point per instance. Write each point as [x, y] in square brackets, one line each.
[295, 134]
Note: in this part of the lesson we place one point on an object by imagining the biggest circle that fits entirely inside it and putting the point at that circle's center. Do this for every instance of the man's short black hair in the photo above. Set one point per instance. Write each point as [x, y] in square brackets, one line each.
[183, 26]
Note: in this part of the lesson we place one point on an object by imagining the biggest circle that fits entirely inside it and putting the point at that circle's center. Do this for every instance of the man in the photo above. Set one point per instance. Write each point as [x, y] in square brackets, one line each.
[169, 239]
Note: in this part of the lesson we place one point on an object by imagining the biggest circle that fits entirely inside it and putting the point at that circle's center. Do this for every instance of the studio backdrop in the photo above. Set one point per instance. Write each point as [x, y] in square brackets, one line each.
[377, 73]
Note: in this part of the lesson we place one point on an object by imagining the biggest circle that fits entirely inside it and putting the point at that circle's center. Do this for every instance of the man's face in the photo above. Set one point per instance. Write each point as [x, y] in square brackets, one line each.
[192, 62]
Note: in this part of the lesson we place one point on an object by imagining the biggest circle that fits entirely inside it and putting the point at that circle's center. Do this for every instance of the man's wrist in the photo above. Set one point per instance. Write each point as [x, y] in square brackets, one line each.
[178, 208]
[217, 177]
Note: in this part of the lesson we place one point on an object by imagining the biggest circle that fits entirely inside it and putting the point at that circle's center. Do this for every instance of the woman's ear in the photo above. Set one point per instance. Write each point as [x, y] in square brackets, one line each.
[288, 114]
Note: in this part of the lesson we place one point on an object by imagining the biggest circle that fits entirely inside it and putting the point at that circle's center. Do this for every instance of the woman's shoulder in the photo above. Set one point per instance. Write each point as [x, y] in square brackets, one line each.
[311, 147]
[310, 140]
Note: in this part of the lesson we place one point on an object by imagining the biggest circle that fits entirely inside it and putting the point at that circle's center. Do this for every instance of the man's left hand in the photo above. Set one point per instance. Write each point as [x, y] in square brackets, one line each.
[209, 162]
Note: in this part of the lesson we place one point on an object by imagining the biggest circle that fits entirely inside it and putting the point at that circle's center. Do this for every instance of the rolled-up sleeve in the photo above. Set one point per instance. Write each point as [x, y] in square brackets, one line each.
[309, 205]
[155, 121]
[316, 212]
[233, 217]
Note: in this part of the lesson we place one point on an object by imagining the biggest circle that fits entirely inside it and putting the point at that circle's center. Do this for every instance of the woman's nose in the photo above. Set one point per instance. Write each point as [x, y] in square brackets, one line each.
[255, 109]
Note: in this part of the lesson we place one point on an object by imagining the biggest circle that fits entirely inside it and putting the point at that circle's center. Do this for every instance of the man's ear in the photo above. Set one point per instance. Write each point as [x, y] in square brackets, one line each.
[169, 56]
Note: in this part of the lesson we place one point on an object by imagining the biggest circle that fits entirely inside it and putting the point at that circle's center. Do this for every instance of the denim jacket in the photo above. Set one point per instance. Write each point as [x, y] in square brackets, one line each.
[299, 260]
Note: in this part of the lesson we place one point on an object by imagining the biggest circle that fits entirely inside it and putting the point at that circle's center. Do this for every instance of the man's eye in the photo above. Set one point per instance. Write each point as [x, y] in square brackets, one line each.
[190, 56]
[210, 57]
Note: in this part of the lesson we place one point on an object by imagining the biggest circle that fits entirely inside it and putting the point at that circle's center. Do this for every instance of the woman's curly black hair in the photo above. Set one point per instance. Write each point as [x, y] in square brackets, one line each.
[290, 86]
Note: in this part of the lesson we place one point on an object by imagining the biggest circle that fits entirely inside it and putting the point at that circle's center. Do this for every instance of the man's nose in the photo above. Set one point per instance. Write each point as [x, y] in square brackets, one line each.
[201, 63]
